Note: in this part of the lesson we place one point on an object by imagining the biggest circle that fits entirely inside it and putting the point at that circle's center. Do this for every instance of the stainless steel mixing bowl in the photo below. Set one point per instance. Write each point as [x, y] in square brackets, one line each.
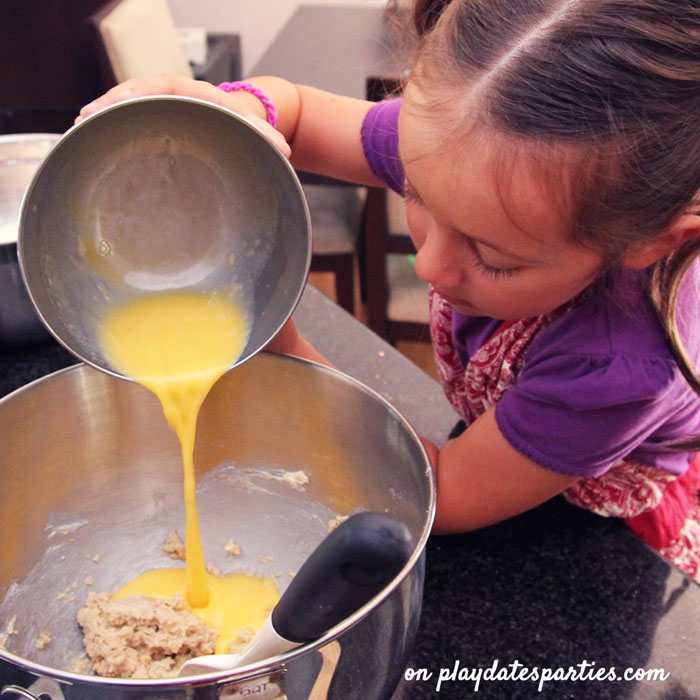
[20, 157]
[158, 194]
[89, 467]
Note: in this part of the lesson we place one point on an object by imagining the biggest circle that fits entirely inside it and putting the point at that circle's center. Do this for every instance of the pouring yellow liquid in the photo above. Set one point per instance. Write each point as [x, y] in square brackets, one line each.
[178, 345]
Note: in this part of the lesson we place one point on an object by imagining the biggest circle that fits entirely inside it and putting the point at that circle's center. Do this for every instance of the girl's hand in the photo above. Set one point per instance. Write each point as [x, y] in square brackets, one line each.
[287, 341]
[243, 103]
[290, 342]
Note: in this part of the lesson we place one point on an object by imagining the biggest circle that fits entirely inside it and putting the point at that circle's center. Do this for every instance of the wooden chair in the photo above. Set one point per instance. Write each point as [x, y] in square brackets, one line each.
[336, 222]
[138, 39]
[397, 300]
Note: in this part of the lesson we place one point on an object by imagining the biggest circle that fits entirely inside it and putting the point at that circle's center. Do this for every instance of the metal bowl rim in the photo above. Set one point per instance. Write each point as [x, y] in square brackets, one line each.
[10, 247]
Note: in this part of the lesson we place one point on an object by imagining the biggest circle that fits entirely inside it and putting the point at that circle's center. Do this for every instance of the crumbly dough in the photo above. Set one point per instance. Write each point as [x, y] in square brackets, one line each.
[334, 522]
[137, 637]
[213, 569]
[9, 630]
[232, 548]
[174, 547]
[295, 479]
[81, 665]
[44, 639]
[247, 484]
[245, 634]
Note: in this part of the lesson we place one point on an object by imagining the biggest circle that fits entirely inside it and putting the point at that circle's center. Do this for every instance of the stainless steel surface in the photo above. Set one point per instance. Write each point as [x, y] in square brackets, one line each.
[90, 467]
[163, 193]
[18, 692]
[20, 157]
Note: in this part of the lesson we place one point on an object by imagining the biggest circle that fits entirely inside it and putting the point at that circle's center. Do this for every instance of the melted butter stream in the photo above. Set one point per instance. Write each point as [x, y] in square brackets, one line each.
[178, 345]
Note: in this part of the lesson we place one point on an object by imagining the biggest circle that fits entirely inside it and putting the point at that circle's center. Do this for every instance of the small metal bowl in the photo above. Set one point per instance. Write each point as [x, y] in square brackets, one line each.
[160, 194]
[20, 156]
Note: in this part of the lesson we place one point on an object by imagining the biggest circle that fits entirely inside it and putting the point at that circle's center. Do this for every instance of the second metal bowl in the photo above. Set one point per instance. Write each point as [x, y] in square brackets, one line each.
[159, 194]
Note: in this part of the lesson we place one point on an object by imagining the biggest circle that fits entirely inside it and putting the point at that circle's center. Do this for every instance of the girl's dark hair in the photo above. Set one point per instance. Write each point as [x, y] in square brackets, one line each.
[426, 13]
[619, 80]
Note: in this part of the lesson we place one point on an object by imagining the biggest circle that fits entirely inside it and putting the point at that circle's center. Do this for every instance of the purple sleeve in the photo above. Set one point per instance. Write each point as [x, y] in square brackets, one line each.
[556, 414]
[380, 141]
[578, 413]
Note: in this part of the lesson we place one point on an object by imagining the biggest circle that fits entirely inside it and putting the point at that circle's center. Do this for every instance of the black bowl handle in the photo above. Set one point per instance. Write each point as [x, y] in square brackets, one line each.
[354, 563]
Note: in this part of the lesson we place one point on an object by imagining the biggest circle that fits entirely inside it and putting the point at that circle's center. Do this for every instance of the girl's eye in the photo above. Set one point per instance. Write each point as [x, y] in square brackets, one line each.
[410, 196]
[497, 272]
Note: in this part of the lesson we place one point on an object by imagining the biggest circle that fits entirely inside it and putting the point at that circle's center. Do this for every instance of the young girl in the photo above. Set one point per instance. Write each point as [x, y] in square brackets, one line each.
[549, 154]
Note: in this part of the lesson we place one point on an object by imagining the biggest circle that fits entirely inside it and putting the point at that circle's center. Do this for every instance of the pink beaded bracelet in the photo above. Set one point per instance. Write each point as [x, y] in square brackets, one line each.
[270, 111]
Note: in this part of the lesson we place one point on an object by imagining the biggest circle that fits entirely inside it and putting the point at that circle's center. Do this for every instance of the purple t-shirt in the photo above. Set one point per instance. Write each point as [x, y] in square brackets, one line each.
[599, 383]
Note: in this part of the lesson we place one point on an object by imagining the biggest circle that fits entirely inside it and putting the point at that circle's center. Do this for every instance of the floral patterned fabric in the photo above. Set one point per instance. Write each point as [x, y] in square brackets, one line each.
[658, 506]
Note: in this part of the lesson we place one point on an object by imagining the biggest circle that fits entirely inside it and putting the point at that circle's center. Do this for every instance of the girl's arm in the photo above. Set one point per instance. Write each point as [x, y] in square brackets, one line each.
[290, 342]
[481, 478]
[322, 129]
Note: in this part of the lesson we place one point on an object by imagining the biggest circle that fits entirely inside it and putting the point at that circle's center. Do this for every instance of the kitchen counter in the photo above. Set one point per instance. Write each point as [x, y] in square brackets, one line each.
[552, 589]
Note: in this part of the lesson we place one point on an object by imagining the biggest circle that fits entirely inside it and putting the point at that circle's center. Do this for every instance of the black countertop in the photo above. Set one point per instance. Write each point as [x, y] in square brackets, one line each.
[552, 589]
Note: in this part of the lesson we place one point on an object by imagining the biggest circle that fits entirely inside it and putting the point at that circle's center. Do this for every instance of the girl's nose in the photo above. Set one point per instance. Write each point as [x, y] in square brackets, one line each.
[437, 261]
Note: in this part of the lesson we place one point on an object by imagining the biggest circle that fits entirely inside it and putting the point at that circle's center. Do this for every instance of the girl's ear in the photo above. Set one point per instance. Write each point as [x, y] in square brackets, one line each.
[684, 228]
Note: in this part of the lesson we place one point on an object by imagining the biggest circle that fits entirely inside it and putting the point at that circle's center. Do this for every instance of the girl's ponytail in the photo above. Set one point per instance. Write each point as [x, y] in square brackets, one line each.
[664, 284]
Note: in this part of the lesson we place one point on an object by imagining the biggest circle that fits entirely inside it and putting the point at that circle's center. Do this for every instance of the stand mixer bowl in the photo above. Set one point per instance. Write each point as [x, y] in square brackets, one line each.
[90, 467]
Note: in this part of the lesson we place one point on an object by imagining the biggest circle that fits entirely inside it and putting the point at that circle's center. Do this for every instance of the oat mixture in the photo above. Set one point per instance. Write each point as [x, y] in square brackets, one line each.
[138, 637]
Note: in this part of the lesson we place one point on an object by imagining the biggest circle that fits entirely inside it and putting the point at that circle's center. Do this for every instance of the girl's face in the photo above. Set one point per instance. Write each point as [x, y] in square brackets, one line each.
[491, 248]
